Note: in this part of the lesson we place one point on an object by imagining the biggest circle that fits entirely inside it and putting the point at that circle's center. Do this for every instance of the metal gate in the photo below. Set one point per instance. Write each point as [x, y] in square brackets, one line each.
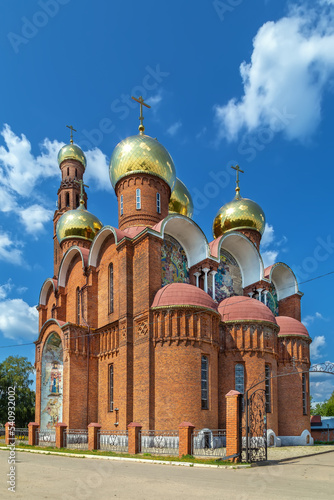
[254, 428]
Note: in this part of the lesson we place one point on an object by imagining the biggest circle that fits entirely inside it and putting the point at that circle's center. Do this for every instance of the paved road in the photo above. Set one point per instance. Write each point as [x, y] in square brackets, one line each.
[66, 478]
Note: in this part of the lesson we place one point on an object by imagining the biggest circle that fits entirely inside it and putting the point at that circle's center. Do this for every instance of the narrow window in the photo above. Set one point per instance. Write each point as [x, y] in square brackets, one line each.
[239, 380]
[67, 199]
[53, 311]
[68, 171]
[304, 394]
[267, 387]
[111, 288]
[111, 387]
[78, 306]
[138, 199]
[158, 203]
[204, 383]
[77, 200]
[59, 202]
[76, 172]
[121, 207]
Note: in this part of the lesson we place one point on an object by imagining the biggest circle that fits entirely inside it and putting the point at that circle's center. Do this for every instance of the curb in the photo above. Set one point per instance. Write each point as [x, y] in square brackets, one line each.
[138, 460]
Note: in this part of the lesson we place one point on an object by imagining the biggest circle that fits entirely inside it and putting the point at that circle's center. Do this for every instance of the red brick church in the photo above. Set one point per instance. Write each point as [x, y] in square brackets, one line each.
[151, 322]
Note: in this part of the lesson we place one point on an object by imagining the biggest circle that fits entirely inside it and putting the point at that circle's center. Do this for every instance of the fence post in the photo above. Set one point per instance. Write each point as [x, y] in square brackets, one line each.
[93, 430]
[232, 425]
[133, 437]
[60, 429]
[32, 428]
[186, 430]
[9, 433]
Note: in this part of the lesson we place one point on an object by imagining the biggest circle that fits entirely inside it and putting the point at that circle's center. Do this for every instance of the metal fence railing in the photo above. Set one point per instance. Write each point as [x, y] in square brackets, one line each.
[159, 442]
[76, 439]
[114, 440]
[207, 442]
[21, 435]
[2, 435]
[46, 437]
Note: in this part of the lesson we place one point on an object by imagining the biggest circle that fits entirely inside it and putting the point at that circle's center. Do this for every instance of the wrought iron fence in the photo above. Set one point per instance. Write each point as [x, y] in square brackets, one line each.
[76, 439]
[46, 437]
[21, 435]
[207, 442]
[2, 434]
[159, 442]
[114, 440]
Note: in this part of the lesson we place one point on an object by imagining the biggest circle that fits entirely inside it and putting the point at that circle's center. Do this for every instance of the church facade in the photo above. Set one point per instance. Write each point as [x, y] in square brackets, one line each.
[150, 322]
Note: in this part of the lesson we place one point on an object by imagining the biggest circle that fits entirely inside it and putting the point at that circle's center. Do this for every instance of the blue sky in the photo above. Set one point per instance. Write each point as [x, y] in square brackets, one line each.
[228, 81]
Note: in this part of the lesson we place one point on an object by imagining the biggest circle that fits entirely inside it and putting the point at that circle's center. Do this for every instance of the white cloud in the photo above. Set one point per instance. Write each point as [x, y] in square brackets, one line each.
[173, 129]
[321, 390]
[268, 236]
[34, 218]
[97, 169]
[20, 169]
[154, 100]
[317, 343]
[269, 257]
[5, 289]
[310, 318]
[291, 65]
[9, 250]
[18, 320]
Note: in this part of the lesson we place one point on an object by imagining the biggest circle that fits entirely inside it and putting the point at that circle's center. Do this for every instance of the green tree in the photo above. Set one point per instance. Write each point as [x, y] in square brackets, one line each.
[15, 372]
[325, 409]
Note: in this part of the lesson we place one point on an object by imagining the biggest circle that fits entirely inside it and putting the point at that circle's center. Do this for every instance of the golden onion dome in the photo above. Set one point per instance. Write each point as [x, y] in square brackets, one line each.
[71, 152]
[180, 200]
[141, 154]
[240, 213]
[78, 223]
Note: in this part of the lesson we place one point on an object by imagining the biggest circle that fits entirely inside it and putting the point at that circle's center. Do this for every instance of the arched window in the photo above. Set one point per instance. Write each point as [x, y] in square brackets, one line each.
[205, 383]
[78, 306]
[77, 200]
[67, 199]
[111, 288]
[121, 205]
[68, 171]
[138, 199]
[76, 172]
[158, 203]
[268, 388]
[53, 311]
[240, 378]
[304, 394]
[111, 387]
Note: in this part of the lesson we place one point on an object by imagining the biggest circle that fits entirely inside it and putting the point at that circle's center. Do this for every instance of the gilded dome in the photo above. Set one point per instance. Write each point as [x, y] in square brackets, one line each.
[71, 152]
[180, 200]
[240, 213]
[141, 154]
[78, 223]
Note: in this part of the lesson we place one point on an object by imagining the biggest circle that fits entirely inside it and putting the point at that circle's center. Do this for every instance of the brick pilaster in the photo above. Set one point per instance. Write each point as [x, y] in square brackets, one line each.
[93, 442]
[60, 429]
[32, 428]
[134, 436]
[9, 433]
[232, 424]
[186, 430]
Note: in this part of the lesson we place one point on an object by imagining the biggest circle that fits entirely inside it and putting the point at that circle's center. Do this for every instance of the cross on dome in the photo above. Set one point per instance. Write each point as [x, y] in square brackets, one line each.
[237, 189]
[82, 185]
[140, 100]
[72, 129]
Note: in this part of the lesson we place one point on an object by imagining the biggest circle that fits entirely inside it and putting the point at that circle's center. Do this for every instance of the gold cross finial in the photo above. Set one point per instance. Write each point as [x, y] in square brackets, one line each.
[72, 129]
[237, 189]
[141, 118]
[82, 185]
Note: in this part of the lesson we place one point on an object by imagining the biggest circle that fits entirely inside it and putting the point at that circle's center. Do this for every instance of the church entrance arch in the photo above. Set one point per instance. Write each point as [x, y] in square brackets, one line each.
[52, 382]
